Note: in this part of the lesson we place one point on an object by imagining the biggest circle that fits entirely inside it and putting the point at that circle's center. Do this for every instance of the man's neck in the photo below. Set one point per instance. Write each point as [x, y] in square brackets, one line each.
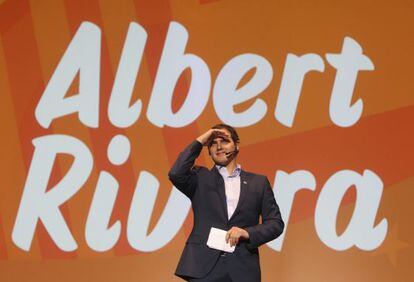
[231, 166]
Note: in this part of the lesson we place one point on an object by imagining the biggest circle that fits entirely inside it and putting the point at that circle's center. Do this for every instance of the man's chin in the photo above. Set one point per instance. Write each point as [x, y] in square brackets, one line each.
[221, 163]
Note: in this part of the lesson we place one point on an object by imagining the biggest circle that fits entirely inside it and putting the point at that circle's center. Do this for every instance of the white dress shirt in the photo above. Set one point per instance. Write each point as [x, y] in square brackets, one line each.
[232, 187]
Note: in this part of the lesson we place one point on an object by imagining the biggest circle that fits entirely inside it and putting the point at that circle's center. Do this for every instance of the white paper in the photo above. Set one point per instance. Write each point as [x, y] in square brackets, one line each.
[217, 240]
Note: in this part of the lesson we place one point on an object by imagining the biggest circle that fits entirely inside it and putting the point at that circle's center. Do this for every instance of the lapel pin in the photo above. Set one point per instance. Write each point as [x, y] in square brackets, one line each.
[244, 182]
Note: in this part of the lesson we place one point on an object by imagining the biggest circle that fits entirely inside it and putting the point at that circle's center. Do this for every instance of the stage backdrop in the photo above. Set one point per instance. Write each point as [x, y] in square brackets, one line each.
[99, 97]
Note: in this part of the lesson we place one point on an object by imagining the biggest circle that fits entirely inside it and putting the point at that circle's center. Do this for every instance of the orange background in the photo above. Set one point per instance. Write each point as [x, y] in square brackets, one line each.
[34, 35]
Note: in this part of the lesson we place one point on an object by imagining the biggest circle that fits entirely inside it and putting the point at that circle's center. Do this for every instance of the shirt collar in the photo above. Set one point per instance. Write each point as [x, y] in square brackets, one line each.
[223, 171]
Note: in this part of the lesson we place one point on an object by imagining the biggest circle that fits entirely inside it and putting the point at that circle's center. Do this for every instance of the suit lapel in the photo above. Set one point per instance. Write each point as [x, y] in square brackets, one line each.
[244, 185]
[221, 191]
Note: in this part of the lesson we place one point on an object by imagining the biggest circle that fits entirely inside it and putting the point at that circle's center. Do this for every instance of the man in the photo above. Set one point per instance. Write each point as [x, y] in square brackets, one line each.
[228, 198]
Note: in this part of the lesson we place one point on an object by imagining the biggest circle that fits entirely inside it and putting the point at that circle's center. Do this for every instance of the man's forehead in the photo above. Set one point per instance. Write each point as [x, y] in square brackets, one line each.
[225, 130]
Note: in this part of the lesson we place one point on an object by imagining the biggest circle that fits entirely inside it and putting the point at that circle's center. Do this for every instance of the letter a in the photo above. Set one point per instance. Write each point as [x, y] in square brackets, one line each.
[83, 56]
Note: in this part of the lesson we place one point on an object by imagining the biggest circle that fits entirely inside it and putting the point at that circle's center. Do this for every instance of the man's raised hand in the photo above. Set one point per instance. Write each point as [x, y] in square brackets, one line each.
[206, 137]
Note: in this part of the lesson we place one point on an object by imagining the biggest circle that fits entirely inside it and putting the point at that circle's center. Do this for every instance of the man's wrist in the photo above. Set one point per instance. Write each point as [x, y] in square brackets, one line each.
[199, 141]
[246, 234]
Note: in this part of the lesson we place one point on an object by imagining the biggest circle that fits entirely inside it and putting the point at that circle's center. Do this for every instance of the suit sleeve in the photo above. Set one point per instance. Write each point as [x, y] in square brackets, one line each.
[182, 174]
[272, 224]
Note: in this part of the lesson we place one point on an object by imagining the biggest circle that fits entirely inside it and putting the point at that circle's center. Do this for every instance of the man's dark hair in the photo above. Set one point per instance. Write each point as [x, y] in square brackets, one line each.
[233, 133]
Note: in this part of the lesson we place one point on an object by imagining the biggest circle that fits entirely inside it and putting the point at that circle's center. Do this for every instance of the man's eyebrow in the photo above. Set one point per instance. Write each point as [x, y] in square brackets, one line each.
[214, 141]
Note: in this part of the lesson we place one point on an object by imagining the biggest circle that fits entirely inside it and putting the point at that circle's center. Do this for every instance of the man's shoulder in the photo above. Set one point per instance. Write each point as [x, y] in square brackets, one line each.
[254, 175]
[198, 169]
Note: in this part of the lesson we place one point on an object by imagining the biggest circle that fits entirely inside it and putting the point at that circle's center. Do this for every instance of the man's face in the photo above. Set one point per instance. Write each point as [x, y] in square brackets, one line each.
[221, 145]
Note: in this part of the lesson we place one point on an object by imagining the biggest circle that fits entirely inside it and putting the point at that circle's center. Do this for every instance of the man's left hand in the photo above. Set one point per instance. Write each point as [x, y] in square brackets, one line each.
[234, 234]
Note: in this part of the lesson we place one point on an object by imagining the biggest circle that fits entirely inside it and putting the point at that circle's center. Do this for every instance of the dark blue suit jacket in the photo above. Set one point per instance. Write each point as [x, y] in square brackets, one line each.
[205, 189]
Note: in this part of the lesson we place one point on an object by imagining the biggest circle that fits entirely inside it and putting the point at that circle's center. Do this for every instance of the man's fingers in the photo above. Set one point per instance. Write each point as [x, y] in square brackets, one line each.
[232, 237]
[220, 132]
[228, 236]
